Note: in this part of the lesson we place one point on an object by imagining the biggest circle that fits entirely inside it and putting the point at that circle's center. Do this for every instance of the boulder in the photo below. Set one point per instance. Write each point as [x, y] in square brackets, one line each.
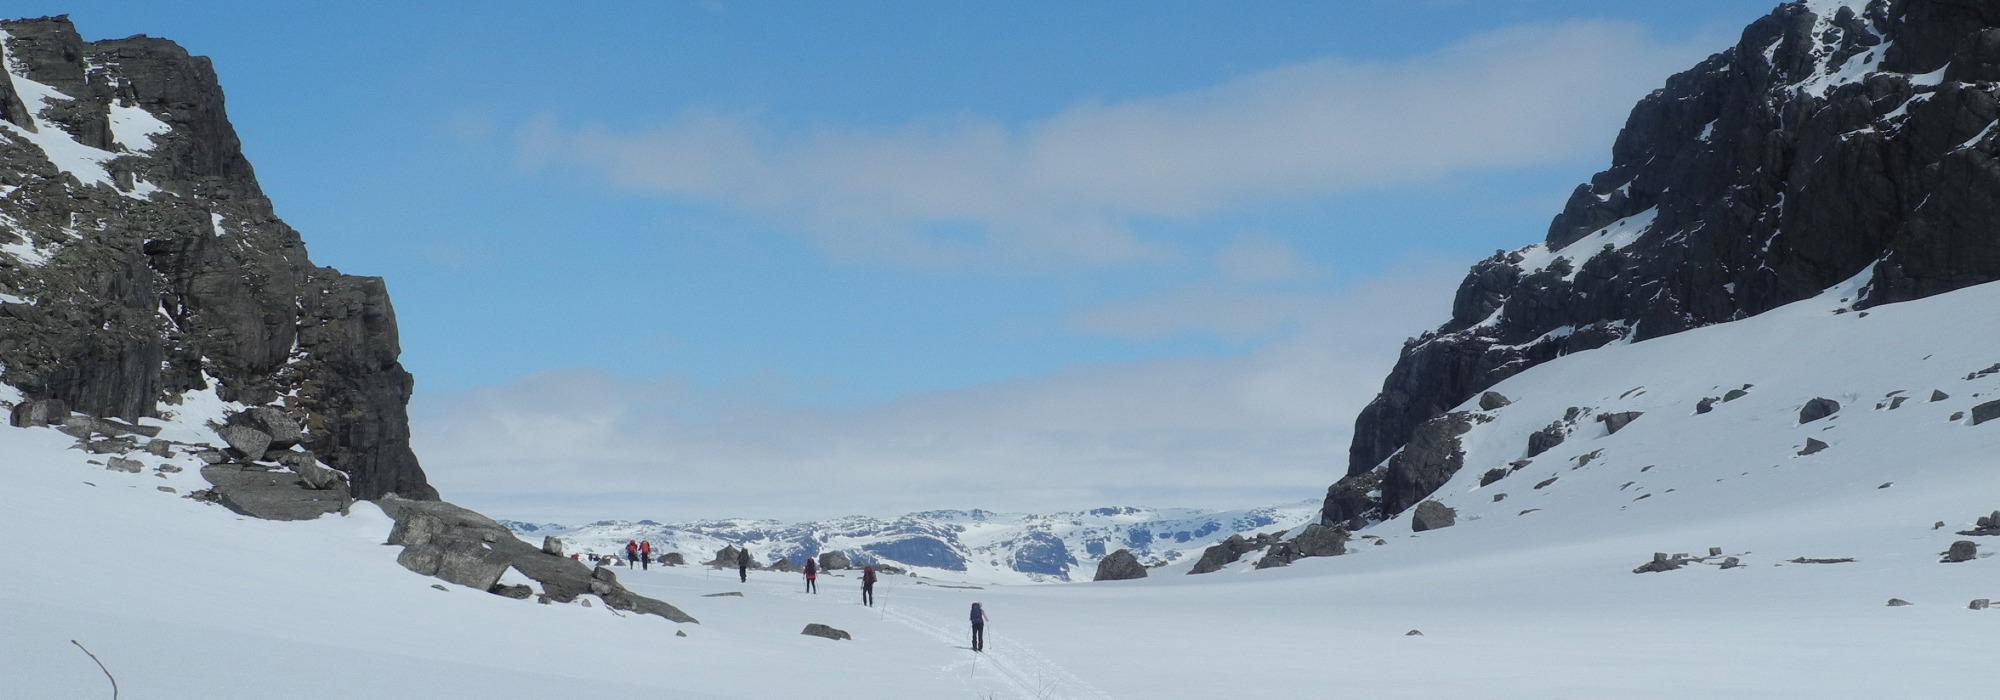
[1432, 515]
[271, 495]
[1414, 633]
[1898, 603]
[1734, 394]
[121, 464]
[517, 592]
[1547, 438]
[1661, 562]
[819, 630]
[38, 413]
[1318, 540]
[1614, 422]
[552, 546]
[1221, 554]
[1813, 446]
[110, 446]
[833, 561]
[1986, 412]
[672, 559]
[1979, 604]
[313, 474]
[211, 456]
[1818, 408]
[247, 442]
[466, 563]
[282, 430]
[434, 531]
[725, 558]
[1492, 400]
[1119, 566]
[783, 564]
[1281, 554]
[1492, 475]
[160, 448]
[1961, 551]
[1705, 405]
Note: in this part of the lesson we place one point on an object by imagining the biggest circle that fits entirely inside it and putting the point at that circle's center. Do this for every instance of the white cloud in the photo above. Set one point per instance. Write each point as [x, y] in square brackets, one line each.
[1267, 427]
[1066, 190]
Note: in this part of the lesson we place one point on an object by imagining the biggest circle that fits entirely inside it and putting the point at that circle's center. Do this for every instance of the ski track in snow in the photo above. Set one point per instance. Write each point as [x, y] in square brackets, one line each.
[1023, 668]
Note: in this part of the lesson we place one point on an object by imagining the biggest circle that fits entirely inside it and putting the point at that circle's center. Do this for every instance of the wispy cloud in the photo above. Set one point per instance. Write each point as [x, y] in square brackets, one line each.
[1265, 427]
[1067, 190]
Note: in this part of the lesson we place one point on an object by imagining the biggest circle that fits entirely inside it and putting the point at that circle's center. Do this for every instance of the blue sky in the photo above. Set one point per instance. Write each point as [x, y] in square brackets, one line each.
[1034, 255]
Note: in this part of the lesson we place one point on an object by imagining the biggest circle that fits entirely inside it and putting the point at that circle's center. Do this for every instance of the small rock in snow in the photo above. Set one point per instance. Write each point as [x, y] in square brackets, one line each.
[1414, 633]
[1898, 602]
[1961, 551]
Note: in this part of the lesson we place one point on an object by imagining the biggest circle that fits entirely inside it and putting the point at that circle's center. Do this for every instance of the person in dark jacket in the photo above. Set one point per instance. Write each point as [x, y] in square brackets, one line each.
[868, 586]
[978, 628]
[812, 573]
[743, 565]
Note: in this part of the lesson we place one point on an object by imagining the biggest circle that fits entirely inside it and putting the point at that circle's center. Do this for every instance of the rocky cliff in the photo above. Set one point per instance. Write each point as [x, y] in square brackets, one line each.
[140, 260]
[1837, 140]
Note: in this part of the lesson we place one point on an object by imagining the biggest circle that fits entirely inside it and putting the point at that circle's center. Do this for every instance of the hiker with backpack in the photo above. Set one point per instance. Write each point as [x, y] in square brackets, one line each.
[743, 565]
[868, 586]
[978, 628]
[812, 572]
[646, 555]
[631, 553]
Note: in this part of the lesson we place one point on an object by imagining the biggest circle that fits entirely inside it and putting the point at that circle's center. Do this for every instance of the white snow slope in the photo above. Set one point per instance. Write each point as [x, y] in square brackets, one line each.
[184, 601]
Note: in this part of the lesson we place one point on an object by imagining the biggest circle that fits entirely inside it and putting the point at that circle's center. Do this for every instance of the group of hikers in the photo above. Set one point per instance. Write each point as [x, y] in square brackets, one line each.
[640, 553]
[811, 571]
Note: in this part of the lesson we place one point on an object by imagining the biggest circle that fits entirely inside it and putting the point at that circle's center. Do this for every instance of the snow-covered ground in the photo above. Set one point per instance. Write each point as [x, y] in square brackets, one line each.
[182, 600]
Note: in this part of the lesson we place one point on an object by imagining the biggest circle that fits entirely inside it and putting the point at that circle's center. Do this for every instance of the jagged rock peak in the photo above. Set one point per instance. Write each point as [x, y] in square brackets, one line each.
[1844, 145]
[141, 261]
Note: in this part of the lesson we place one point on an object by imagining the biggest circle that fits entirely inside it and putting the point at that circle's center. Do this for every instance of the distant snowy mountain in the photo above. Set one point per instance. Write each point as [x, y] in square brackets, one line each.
[974, 545]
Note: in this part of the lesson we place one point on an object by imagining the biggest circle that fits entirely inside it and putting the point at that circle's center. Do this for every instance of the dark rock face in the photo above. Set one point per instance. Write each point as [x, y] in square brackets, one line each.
[1763, 175]
[169, 272]
[1119, 566]
[1813, 446]
[1432, 515]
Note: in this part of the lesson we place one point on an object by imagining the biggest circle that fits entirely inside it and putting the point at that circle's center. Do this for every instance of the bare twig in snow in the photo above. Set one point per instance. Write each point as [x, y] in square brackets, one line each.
[100, 667]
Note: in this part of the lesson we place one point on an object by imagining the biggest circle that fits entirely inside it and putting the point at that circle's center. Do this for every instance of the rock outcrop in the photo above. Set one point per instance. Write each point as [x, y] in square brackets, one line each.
[1821, 148]
[144, 262]
[463, 547]
[1119, 566]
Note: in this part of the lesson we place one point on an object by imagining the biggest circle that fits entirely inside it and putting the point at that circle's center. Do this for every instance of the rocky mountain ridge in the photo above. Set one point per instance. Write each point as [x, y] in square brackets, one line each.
[1837, 140]
[140, 260]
